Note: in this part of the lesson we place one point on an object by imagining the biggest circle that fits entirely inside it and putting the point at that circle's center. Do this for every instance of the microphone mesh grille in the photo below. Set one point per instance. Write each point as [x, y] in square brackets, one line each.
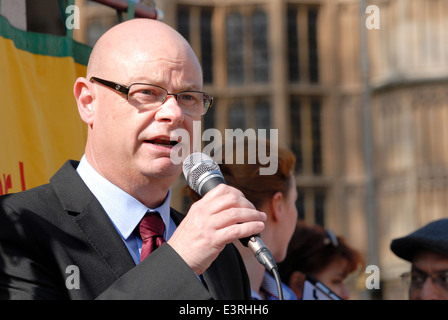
[195, 165]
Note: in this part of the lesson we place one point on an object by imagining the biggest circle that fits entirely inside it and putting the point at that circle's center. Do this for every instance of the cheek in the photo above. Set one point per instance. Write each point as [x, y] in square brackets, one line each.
[413, 294]
[111, 125]
[292, 218]
[116, 125]
[194, 129]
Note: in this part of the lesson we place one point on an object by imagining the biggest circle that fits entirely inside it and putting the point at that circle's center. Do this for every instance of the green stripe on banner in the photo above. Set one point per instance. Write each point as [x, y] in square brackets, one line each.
[131, 10]
[45, 44]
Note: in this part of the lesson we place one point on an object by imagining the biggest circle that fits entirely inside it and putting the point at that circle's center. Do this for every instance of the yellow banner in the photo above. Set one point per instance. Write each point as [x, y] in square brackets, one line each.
[40, 126]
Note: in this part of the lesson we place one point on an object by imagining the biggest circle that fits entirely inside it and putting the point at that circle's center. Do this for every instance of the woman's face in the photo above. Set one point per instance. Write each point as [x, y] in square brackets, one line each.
[333, 276]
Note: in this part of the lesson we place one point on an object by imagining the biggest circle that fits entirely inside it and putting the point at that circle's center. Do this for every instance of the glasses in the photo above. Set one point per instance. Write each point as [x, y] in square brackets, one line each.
[416, 278]
[151, 96]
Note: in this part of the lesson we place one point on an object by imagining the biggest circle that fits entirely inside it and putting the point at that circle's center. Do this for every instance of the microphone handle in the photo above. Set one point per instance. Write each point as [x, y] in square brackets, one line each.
[261, 252]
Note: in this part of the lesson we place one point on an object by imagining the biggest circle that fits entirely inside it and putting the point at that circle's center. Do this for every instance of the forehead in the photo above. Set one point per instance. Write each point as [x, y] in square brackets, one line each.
[336, 267]
[430, 261]
[141, 55]
[165, 72]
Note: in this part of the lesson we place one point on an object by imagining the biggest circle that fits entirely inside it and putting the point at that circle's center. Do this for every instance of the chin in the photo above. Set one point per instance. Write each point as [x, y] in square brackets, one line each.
[163, 168]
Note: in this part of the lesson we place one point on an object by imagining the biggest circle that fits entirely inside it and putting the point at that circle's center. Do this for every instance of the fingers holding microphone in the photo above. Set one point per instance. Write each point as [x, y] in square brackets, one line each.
[222, 216]
[235, 217]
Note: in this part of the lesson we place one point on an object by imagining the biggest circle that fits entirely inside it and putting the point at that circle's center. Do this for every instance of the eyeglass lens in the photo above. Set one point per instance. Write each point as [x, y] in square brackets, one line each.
[153, 96]
[416, 279]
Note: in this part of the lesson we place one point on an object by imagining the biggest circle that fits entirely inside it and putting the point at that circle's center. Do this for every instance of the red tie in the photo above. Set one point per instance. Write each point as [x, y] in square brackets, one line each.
[151, 230]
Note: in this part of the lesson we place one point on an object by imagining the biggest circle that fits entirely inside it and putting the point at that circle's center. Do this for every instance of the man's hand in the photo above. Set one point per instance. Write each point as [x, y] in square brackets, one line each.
[222, 216]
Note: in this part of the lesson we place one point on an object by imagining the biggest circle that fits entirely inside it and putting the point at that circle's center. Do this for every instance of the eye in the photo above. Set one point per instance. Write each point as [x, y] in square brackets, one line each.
[418, 277]
[191, 98]
[444, 277]
[147, 93]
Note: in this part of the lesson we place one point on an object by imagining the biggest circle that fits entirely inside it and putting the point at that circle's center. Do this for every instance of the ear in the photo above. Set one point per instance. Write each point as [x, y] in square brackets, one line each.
[84, 98]
[277, 206]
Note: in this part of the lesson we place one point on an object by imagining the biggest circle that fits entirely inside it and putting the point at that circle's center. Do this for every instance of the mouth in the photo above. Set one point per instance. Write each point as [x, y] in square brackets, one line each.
[163, 142]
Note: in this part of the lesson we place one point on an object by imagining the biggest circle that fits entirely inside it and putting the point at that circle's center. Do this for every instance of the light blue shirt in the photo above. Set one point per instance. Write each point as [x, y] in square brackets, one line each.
[269, 287]
[124, 211]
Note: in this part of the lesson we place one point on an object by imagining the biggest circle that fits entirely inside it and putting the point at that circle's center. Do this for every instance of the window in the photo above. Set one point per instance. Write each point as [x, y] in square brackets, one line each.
[240, 109]
[303, 57]
[202, 44]
[311, 204]
[296, 132]
[247, 49]
[306, 136]
[235, 48]
[316, 135]
[207, 44]
[306, 143]
[263, 114]
[260, 45]
[183, 22]
[237, 115]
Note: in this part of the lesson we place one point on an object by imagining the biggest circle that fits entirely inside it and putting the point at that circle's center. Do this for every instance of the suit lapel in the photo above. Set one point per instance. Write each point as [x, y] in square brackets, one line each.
[91, 219]
[101, 234]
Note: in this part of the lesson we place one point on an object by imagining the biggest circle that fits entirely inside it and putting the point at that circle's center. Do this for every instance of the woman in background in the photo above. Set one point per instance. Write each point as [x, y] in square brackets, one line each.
[320, 253]
[275, 194]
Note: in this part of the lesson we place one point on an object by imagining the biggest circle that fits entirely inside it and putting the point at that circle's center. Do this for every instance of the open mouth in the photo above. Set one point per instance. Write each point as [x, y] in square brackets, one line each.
[162, 142]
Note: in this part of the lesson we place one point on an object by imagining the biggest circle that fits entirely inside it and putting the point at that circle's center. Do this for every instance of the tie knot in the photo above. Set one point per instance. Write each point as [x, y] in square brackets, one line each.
[151, 225]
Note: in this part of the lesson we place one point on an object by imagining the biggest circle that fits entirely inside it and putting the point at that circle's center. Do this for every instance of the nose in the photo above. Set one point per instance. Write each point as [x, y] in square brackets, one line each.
[429, 290]
[170, 111]
[345, 294]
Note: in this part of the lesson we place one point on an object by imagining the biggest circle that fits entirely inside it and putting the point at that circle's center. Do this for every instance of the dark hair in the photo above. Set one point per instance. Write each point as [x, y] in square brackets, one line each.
[311, 249]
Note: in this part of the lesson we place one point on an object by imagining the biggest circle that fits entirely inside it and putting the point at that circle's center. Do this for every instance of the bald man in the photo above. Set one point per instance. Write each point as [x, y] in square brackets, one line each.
[77, 237]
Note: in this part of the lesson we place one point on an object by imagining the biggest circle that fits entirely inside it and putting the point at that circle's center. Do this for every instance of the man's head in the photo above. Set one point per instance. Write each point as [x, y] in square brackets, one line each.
[427, 250]
[128, 142]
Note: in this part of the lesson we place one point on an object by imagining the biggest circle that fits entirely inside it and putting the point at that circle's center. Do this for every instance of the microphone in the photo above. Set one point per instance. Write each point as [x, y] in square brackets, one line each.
[202, 175]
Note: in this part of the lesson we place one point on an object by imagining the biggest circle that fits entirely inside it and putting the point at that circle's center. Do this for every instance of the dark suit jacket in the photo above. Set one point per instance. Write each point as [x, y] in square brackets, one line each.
[47, 230]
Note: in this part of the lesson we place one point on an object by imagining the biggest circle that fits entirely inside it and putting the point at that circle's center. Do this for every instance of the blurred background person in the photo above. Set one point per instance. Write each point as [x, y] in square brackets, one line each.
[427, 250]
[275, 194]
[320, 253]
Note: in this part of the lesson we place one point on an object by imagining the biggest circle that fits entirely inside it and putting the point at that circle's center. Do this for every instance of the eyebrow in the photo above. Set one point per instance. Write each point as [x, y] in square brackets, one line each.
[186, 86]
[416, 269]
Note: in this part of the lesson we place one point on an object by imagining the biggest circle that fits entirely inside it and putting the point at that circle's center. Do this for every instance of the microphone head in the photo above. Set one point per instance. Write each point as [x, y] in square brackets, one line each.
[198, 168]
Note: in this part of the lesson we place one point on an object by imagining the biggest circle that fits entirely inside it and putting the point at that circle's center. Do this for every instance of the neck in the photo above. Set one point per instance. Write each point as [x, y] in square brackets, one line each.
[254, 269]
[150, 191]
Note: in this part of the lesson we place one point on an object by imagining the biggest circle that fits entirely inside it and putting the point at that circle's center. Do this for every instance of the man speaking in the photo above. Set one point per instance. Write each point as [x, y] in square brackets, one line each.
[109, 215]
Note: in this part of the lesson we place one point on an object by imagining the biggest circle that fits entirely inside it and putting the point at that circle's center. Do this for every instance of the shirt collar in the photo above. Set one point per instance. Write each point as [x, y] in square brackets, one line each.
[269, 286]
[124, 211]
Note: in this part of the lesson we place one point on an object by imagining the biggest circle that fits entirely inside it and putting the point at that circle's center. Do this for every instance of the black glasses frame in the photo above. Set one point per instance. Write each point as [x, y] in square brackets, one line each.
[435, 277]
[125, 90]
